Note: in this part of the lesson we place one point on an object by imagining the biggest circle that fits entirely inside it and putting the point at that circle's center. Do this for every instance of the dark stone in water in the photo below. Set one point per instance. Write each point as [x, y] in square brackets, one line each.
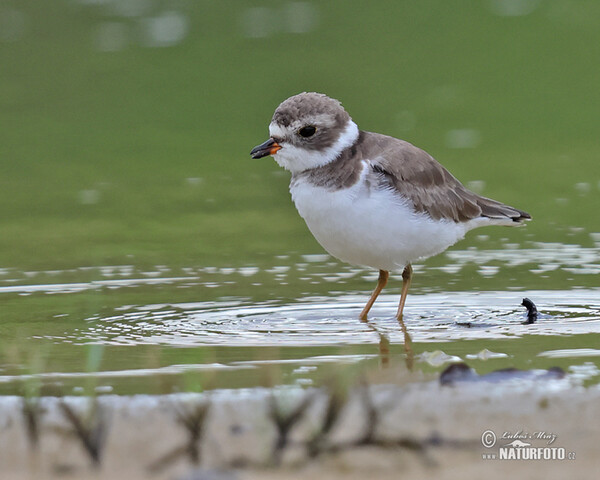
[461, 372]
[457, 372]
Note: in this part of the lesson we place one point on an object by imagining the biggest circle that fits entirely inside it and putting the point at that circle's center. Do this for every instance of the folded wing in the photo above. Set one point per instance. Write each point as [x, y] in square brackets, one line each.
[417, 176]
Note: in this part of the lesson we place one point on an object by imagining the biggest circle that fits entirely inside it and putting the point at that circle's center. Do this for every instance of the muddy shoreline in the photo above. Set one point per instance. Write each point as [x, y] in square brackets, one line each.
[422, 429]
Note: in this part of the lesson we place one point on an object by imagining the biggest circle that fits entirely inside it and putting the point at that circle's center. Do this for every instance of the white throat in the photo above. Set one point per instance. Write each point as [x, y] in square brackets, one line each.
[297, 159]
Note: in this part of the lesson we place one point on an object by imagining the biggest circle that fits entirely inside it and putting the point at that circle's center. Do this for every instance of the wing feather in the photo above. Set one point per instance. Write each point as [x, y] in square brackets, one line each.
[432, 189]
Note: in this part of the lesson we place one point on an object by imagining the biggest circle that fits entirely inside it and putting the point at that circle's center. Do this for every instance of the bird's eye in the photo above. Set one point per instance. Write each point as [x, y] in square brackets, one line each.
[307, 131]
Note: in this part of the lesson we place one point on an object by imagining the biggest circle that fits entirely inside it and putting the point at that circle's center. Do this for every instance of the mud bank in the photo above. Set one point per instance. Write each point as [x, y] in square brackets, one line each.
[382, 431]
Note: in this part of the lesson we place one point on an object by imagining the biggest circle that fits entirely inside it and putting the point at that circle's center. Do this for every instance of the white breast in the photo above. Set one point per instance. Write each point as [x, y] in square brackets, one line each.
[369, 226]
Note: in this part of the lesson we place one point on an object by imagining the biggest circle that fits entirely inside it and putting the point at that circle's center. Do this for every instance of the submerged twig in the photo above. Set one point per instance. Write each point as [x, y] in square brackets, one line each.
[372, 416]
[284, 422]
[193, 420]
[335, 405]
[90, 429]
[369, 436]
[532, 312]
[31, 414]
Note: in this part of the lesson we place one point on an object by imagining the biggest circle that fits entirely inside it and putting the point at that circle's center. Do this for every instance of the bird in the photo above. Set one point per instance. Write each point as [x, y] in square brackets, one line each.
[370, 199]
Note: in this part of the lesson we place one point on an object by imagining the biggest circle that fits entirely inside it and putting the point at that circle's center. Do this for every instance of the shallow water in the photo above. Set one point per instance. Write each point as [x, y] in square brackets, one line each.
[141, 250]
[292, 320]
[330, 321]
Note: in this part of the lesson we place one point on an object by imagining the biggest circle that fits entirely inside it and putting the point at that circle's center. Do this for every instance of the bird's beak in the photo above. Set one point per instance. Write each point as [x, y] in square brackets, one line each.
[270, 147]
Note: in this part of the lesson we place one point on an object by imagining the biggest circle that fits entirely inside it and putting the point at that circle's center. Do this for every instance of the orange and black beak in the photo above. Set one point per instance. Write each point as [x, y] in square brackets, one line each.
[270, 147]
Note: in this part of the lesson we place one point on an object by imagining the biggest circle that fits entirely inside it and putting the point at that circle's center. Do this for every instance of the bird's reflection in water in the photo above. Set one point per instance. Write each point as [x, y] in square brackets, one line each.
[384, 345]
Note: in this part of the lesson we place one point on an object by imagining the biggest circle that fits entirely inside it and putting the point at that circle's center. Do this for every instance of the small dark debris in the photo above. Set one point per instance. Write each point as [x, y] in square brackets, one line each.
[63, 469]
[237, 429]
[208, 474]
[532, 313]
[461, 372]
[473, 324]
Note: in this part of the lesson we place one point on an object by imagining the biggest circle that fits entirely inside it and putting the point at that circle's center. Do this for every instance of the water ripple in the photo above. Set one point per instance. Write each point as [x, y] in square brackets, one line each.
[331, 321]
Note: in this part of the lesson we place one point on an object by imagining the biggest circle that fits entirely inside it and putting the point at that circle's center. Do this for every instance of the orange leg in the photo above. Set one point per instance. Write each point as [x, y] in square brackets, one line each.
[406, 278]
[381, 283]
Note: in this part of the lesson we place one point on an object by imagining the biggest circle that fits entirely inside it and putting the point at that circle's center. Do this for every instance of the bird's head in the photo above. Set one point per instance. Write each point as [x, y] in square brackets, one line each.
[307, 131]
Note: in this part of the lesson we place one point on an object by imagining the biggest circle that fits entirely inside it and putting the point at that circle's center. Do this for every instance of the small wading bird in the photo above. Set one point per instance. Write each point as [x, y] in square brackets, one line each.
[370, 199]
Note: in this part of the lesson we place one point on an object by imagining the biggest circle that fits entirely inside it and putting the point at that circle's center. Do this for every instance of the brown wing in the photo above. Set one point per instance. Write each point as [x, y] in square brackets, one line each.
[417, 176]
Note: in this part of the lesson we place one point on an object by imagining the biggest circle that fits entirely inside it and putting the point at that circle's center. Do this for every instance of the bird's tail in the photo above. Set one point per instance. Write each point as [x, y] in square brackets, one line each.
[502, 213]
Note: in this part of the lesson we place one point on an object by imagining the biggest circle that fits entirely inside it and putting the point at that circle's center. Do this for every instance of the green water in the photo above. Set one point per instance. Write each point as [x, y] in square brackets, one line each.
[124, 140]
